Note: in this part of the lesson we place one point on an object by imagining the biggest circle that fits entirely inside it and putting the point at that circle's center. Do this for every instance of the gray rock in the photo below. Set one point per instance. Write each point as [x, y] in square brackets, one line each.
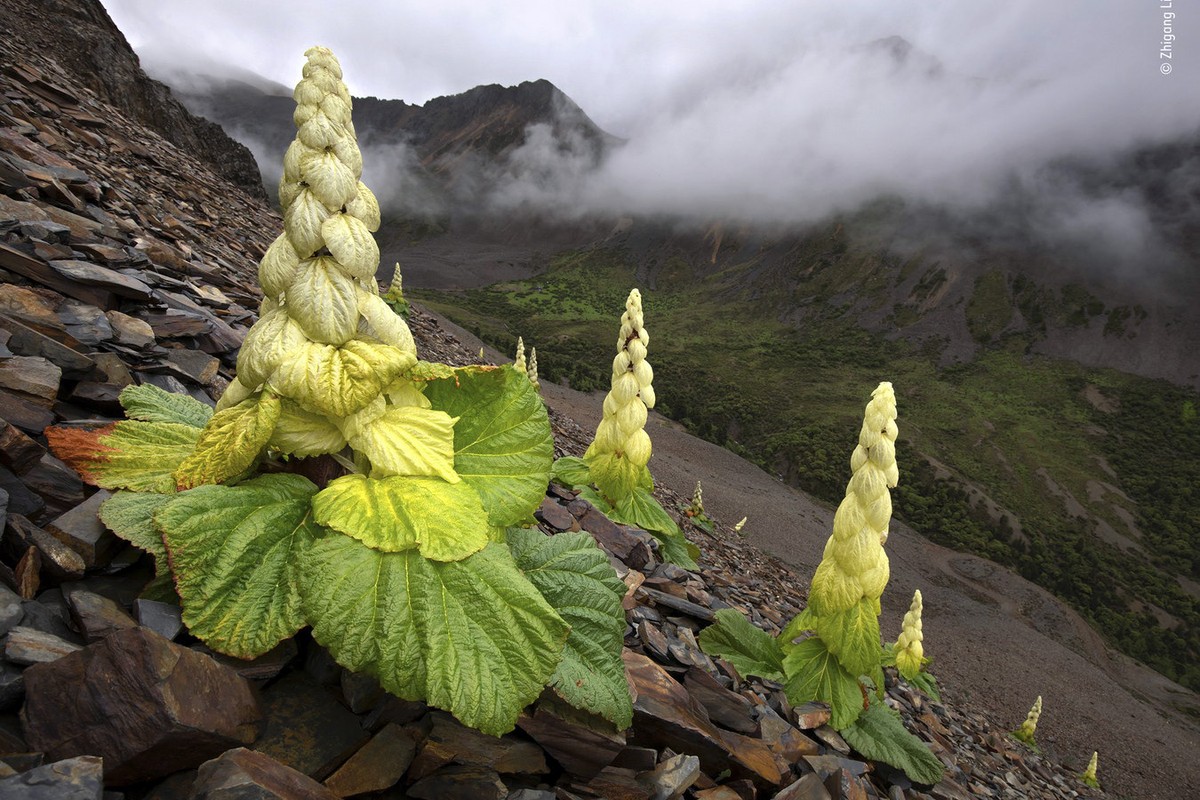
[18, 452]
[20, 499]
[12, 687]
[59, 485]
[85, 322]
[671, 778]
[164, 619]
[32, 375]
[49, 613]
[200, 367]
[81, 530]
[58, 560]
[378, 765]
[96, 275]
[26, 646]
[130, 330]
[97, 616]
[3, 508]
[26, 341]
[306, 728]
[11, 611]
[79, 778]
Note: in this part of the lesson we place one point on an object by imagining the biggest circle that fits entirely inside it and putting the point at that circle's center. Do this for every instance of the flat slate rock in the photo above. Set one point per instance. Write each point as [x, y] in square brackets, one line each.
[378, 765]
[81, 530]
[306, 727]
[28, 646]
[79, 778]
[96, 275]
[243, 774]
[147, 706]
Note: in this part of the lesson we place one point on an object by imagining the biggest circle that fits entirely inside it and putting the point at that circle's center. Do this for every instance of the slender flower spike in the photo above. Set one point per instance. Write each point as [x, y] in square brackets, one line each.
[909, 651]
[741, 524]
[698, 499]
[519, 360]
[532, 369]
[618, 455]
[1029, 727]
[1089, 774]
[843, 603]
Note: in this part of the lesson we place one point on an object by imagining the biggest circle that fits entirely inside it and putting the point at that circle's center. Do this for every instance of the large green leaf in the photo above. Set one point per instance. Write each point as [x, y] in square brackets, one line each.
[444, 520]
[751, 650]
[140, 456]
[149, 403]
[130, 515]
[575, 576]
[879, 734]
[474, 637]
[230, 442]
[641, 510]
[572, 471]
[853, 636]
[235, 552]
[813, 673]
[502, 442]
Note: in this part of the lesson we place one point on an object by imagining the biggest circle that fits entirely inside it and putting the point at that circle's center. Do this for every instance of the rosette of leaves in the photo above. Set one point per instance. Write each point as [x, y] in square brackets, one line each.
[831, 652]
[407, 567]
[615, 461]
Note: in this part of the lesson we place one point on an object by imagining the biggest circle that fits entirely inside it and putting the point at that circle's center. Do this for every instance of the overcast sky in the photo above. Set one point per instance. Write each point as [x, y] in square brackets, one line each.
[766, 110]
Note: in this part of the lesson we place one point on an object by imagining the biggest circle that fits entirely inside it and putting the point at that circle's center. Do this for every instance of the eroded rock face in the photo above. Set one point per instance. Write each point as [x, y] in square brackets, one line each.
[146, 706]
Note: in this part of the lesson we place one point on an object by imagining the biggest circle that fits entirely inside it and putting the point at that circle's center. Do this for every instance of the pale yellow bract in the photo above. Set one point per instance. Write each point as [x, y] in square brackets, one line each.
[854, 566]
[910, 653]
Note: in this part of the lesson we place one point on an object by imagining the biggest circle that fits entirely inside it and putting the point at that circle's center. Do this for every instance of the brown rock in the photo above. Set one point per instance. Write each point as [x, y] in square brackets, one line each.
[95, 275]
[460, 783]
[451, 742]
[786, 741]
[200, 367]
[582, 750]
[25, 412]
[718, 793]
[306, 728]
[556, 516]
[666, 715]
[27, 304]
[614, 783]
[727, 709]
[31, 339]
[810, 715]
[842, 785]
[59, 485]
[379, 764]
[807, 788]
[130, 330]
[147, 706]
[18, 452]
[27, 575]
[243, 774]
[673, 776]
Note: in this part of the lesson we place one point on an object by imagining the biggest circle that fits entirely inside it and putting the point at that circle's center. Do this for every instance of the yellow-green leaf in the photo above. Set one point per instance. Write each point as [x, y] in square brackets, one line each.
[148, 403]
[813, 673]
[323, 301]
[302, 433]
[337, 381]
[409, 440]
[365, 207]
[140, 456]
[444, 520]
[130, 515]
[302, 221]
[852, 636]
[352, 245]
[333, 182]
[230, 442]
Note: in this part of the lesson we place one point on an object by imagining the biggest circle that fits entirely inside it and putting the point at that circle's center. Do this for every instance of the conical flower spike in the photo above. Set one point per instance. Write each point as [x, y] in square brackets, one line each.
[519, 360]
[843, 603]
[741, 524]
[909, 651]
[531, 371]
[1089, 774]
[698, 499]
[325, 343]
[1029, 727]
[618, 455]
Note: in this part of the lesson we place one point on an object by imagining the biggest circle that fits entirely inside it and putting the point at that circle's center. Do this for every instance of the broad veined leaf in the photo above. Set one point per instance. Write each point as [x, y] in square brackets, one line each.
[148, 403]
[351, 244]
[236, 554]
[813, 673]
[641, 510]
[140, 456]
[751, 650]
[324, 301]
[230, 442]
[278, 265]
[615, 475]
[927, 684]
[879, 734]
[571, 471]
[365, 207]
[302, 433]
[130, 515]
[431, 371]
[502, 443]
[302, 220]
[333, 182]
[852, 635]
[409, 440]
[474, 637]
[337, 381]
[576, 578]
[444, 520]
[274, 340]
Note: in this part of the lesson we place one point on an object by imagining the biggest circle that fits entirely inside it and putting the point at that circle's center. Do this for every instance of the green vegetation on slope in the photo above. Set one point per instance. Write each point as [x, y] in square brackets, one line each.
[1032, 434]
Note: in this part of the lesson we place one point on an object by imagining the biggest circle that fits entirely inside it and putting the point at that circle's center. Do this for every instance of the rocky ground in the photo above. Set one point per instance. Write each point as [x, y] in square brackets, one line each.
[126, 261]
